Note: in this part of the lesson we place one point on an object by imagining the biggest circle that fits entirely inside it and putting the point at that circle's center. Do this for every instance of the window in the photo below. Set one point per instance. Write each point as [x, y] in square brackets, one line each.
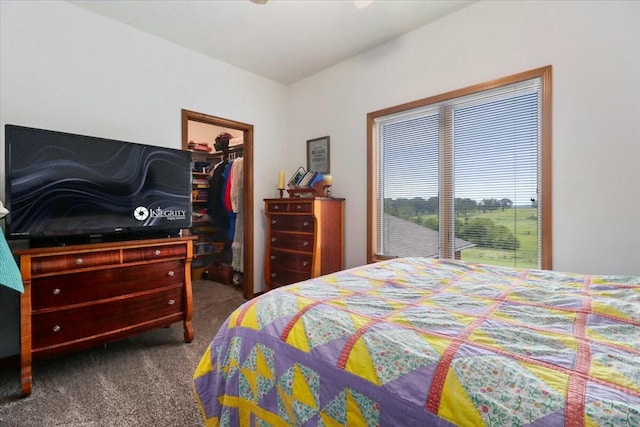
[465, 175]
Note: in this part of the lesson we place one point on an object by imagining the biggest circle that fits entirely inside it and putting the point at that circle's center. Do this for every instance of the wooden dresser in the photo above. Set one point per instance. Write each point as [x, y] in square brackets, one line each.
[305, 239]
[80, 296]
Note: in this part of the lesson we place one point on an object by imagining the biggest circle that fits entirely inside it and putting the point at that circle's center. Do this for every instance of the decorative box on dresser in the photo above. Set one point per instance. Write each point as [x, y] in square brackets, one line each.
[80, 296]
[305, 239]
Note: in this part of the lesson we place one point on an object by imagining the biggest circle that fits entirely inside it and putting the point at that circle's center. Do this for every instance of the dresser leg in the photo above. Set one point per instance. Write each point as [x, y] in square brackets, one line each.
[188, 331]
[26, 357]
[25, 374]
[188, 297]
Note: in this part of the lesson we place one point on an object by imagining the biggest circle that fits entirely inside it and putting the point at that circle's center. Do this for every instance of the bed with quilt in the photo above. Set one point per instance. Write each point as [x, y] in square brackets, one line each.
[427, 342]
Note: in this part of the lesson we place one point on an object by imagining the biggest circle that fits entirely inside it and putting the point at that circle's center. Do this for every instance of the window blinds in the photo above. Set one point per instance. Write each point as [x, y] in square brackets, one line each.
[468, 170]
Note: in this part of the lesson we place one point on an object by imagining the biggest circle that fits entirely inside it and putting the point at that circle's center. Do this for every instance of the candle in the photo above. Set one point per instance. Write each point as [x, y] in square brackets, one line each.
[281, 180]
[328, 179]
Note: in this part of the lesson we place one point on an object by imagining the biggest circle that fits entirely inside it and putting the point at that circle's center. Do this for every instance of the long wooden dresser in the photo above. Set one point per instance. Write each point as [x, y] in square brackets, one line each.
[305, 239]
[77, 297]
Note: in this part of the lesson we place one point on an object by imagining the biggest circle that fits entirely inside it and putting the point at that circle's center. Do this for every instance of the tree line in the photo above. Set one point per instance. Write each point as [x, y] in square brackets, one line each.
[405, 208]
[481, 231]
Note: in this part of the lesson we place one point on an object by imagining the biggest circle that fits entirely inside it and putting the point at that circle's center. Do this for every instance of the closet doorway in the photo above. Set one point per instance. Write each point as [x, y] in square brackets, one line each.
[192, 119]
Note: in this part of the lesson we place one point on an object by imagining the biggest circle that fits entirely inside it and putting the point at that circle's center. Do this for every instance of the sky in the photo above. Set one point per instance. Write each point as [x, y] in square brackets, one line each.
[507, 128]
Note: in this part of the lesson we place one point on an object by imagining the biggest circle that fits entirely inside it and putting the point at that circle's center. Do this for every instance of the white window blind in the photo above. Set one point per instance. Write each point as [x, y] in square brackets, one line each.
[461, 178]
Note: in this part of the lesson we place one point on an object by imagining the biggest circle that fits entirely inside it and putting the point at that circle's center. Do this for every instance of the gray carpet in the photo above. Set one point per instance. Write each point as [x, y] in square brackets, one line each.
[141, 381]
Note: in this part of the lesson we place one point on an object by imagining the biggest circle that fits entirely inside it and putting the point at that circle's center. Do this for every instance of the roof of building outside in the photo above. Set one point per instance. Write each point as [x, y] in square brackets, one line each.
[411, 239]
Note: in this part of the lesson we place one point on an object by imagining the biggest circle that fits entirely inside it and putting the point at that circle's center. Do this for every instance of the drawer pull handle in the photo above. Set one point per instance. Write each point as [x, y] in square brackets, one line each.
[171, 273]
[305, 243]
[305, 263]
[273, 257]
[273, 221]
[298, 207]
[56, 291]
[276, 207]
[273, 239]
[273, 275]
[305, 223]
[79, 261]
[157, 252]
[56, 328]
[171, 302]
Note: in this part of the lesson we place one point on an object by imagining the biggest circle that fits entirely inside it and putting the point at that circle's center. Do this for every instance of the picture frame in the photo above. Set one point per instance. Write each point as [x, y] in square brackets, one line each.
[318, 151]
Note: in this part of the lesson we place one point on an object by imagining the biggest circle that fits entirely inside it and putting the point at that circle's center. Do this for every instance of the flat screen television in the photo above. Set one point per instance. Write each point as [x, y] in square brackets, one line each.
[63, 188]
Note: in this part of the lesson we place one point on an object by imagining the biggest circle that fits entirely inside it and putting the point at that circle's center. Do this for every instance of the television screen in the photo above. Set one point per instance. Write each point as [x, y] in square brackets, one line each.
[60, 184]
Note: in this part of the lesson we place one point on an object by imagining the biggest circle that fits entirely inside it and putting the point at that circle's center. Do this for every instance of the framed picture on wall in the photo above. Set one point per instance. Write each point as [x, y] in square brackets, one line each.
[318, 155]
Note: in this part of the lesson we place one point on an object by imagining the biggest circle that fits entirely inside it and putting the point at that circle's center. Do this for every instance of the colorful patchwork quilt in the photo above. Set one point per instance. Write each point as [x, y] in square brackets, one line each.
[426, 342]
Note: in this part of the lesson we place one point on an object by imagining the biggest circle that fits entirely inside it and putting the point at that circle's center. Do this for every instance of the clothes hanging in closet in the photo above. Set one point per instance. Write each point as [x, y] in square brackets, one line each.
[237, 201]
[226, 199]
[215, 206]
[225, 207]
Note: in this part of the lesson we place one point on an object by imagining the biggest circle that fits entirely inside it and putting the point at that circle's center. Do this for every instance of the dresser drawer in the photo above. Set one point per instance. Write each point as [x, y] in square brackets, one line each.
[301, 207]
[151, 253]
[304, 223]
[277, 207]
[74, 288]
[61, 326]
[291, 261]
[292, 241]
[291, 207]
[55, 263]
[286, 277]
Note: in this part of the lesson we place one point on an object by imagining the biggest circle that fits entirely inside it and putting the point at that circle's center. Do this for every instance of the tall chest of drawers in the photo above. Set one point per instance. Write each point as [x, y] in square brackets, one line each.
[77, 297]
[305, 239]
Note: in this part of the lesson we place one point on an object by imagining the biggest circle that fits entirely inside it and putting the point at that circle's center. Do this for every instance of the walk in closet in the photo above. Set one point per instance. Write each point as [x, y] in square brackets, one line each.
[221, 188]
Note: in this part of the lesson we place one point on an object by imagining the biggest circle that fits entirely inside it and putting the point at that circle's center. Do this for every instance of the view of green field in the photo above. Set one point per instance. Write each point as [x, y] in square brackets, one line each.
[523, 223]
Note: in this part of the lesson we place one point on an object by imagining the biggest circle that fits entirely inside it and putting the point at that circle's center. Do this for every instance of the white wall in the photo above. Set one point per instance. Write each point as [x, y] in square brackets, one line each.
[594, 50]
[66, 69]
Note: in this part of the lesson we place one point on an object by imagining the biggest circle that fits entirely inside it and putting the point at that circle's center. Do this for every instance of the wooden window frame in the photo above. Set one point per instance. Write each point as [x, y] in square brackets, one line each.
[545, 194]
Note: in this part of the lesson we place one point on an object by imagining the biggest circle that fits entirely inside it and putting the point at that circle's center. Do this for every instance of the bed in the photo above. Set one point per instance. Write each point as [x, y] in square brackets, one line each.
[427, 342]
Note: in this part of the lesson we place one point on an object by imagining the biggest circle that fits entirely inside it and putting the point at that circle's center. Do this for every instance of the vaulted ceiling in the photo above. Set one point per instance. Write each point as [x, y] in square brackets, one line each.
[282, 40]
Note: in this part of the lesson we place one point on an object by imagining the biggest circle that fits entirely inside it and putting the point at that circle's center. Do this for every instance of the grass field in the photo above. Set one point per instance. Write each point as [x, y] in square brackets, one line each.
[523, 223]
